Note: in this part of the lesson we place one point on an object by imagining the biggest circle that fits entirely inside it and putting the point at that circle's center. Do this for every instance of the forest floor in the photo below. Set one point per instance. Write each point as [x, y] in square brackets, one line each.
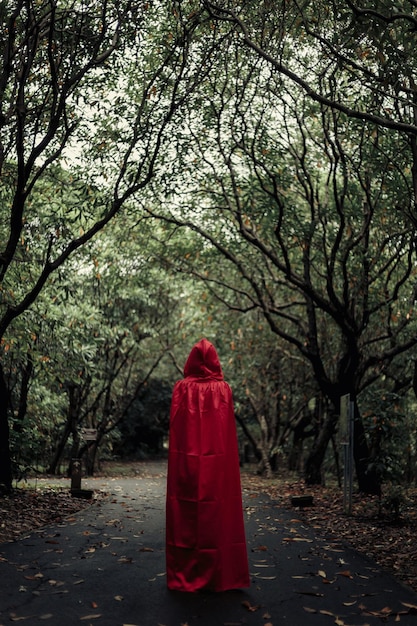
[383, 530]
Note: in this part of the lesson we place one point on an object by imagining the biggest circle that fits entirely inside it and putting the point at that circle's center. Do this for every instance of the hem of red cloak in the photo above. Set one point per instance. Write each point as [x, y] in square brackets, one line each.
[204, 588]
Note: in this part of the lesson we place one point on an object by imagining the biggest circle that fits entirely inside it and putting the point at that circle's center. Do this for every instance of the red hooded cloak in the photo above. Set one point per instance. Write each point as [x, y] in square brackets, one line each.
[205, 535]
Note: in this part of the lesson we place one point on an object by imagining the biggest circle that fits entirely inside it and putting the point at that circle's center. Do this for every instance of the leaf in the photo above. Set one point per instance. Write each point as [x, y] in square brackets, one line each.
[93, 616]
[409, 606]
[249, 607]
[309, 609]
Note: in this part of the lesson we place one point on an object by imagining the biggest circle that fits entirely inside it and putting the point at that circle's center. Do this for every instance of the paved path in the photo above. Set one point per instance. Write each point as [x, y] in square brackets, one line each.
[105, 566]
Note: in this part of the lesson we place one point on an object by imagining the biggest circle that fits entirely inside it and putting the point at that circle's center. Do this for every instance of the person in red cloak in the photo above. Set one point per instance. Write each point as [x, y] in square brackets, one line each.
[205, 534]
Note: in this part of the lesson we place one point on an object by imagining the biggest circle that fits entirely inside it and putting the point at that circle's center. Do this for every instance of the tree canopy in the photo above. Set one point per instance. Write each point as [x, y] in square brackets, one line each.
[245, 171]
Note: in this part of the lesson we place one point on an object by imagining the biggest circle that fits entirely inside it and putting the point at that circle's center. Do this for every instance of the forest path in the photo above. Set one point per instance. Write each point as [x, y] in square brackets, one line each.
[106, 566]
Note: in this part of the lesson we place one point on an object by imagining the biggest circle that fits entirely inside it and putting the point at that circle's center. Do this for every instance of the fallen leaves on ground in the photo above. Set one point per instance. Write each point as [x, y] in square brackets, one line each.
[369, 529]
[26, 510]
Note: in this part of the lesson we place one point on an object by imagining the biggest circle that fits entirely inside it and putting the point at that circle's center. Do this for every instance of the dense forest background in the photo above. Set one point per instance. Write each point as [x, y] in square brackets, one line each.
[245, 172]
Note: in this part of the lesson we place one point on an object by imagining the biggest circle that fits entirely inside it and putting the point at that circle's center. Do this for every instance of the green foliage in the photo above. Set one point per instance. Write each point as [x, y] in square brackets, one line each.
[245, 172]
[385, 420]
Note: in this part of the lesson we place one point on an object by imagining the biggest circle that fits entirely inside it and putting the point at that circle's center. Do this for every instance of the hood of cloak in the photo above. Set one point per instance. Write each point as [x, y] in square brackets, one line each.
[203, 361]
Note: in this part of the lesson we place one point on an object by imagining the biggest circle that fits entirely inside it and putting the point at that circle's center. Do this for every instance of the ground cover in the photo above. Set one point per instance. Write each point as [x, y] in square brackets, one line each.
[385, 530]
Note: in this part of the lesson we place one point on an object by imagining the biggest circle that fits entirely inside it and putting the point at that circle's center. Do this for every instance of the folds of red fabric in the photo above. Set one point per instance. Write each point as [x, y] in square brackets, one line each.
[205, 536]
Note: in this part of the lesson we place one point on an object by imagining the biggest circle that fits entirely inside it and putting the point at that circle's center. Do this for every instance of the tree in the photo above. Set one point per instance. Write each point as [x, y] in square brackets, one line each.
[353, 59]
[62, 115]
[299, 199]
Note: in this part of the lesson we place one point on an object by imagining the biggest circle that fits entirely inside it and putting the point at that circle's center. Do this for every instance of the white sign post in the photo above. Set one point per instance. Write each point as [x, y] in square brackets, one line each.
[346, 430]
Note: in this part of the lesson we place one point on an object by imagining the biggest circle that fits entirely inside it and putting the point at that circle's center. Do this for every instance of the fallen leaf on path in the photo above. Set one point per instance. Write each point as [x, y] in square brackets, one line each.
[309, 610]
[93, 616]
[119, 539]
[249, 607]
[345, 573]
[118, 598]
[35, 577]
[385, 612]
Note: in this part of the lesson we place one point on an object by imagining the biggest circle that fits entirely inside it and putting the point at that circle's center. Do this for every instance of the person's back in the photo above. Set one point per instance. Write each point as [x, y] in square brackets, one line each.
[205, 537]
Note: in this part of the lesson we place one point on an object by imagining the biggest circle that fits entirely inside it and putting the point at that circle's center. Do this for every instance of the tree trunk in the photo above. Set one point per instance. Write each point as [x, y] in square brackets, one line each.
[367, 476]
[5, 459]
[26, 375]
[70, 427]
[314, 461]
[52, 469]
